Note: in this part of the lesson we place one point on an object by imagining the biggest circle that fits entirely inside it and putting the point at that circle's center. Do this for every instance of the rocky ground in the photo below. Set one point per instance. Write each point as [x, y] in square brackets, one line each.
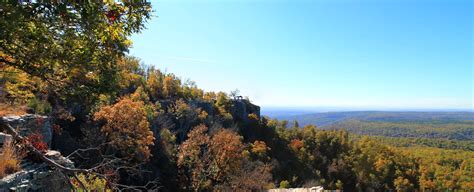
[34, 175]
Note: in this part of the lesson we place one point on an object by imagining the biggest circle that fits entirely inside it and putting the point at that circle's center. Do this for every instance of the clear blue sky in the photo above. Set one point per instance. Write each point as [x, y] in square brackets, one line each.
[369, 54]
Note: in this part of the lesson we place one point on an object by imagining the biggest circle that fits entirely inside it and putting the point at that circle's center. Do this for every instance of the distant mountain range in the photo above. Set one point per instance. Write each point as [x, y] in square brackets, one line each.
[327, 118]
[437, 125]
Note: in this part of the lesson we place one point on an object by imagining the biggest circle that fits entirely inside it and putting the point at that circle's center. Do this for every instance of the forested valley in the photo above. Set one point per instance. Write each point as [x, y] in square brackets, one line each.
[126, 125]
[441, 141]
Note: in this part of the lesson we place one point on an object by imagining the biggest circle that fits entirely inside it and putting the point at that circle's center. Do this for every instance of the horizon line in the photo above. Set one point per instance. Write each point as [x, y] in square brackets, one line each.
[365, 108]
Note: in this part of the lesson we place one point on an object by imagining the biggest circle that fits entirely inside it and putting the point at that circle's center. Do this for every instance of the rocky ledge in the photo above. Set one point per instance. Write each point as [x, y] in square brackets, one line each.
[30, 124]
[38, 176]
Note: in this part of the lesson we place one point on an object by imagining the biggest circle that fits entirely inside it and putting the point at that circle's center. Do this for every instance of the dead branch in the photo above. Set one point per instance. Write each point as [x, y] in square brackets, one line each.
[5, 126]
[72, 172]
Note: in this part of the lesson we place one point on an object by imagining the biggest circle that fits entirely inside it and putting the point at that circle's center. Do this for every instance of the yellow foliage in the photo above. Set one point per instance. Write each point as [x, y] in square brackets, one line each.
[18, 85]
[402, 184]
[202, 115]
[154, 84]
[170, 86]
[259, 148]
[90, 182]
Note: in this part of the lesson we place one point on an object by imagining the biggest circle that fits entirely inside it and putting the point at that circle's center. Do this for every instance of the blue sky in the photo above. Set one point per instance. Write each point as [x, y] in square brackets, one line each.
[403, 54]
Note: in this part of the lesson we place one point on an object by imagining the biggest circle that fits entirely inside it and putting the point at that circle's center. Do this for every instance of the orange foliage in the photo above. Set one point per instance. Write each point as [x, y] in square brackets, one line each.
[191, 148]
[9, 161]
[226, 149]
[6, 109]
[127, 127]
[296, 144]
[210, 160]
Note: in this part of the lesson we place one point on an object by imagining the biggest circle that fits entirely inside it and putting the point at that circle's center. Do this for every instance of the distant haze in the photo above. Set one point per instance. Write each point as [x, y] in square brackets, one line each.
[323, 119]
[287, 112]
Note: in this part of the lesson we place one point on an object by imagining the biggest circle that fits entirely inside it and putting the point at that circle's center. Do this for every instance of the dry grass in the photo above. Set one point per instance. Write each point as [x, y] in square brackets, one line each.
[7, 109]
[9, 160]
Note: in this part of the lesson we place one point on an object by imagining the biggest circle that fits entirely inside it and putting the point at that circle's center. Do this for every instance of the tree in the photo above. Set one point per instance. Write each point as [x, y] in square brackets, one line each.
[154, 84]
[259, 149]
[233, 94]
[131, 74]
[379, 167]
[296, 124]
[225, 149]
[190, 91]
[190, 158]
[18, 87]
[217, 161]
[73, 47]
[253, 176]
[171, 86]
[126, 126]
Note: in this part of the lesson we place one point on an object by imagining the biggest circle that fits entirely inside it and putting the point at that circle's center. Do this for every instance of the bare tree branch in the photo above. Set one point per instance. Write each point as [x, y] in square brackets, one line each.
[72, 172]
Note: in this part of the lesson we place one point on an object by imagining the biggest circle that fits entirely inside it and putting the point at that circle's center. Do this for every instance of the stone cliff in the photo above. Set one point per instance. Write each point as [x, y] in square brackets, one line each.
[34, 175]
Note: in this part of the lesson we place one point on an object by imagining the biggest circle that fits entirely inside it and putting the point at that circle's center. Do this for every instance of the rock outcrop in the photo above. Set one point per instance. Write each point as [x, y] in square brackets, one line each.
[205, 106]
[30, 124]
[38, 176]
[241, 109]
[35, 176]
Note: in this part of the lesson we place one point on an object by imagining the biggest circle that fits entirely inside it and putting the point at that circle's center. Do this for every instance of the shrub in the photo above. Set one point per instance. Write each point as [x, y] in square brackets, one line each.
[39, 106]
[9, 161]
[284, 184]
[259, 148]
[36, 139]
[90, 182]
[296, 144]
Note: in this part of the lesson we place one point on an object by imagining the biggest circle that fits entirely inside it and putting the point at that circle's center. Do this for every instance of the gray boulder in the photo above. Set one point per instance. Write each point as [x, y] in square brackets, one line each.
[38, 176]
[30, 123]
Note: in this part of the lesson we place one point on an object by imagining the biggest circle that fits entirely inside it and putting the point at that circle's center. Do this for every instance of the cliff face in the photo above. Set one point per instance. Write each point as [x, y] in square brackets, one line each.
[241, 109]
[205, 106]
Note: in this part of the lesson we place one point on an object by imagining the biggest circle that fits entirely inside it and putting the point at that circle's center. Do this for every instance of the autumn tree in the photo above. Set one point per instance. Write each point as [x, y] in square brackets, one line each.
[171, 86]
[190, 159]
[17, 86]
[130, 75]
[54, 40]
[253, 176]
[73, 47]
[127, 128]
[154, 83]
[191, 91]
[379, 167]
[217, 161]
[259, 149]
